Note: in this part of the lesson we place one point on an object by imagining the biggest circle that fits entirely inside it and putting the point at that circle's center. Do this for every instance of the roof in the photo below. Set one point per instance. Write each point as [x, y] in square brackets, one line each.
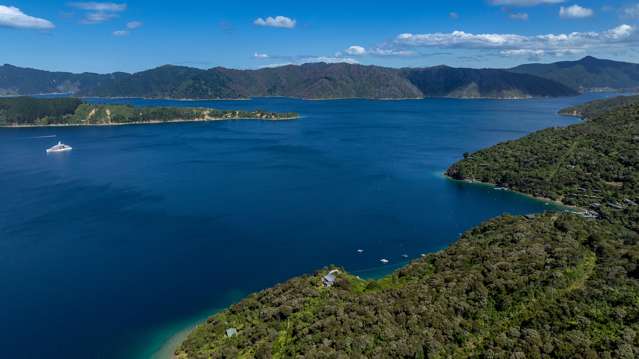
[231, 332]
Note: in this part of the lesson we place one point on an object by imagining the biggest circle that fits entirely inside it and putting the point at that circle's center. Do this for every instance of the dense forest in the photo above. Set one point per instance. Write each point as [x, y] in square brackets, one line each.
[308, 81]
[554, 285]
[29, 111]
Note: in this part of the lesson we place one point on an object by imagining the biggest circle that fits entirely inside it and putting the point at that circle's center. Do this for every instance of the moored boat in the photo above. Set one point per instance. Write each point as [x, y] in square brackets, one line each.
[60, 147]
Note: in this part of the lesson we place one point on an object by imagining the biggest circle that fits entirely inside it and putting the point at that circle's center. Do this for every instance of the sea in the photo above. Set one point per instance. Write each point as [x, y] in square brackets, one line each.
[120, 246]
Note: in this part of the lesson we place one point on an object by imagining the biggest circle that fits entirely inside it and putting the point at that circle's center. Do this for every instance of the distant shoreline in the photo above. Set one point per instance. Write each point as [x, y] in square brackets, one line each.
[156, 122]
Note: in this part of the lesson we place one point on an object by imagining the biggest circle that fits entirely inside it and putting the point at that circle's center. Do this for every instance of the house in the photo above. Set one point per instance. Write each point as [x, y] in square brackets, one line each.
[231, 332]
[329, 279]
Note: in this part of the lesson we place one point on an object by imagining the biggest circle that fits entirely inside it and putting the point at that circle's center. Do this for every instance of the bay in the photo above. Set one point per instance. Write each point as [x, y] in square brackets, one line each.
[141, 230]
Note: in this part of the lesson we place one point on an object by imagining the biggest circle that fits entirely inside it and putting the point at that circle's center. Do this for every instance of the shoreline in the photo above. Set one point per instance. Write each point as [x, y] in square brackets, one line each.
[156, 122]
[494, 185]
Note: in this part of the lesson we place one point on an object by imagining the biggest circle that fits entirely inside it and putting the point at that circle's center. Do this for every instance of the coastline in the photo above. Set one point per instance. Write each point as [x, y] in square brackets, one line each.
[494, 185]
[151, 122]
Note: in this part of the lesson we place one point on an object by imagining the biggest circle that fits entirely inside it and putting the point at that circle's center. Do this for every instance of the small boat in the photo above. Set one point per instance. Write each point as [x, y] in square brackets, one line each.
[384, 260]
[360, 251]
[404, 255]
[60, 147]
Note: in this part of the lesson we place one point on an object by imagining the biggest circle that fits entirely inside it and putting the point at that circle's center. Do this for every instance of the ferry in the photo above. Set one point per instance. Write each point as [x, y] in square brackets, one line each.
[60, 147]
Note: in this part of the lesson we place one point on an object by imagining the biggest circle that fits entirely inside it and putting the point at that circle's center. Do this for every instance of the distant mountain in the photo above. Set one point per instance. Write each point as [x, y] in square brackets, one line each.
[444, 81]
[587, 74]
[309, 81]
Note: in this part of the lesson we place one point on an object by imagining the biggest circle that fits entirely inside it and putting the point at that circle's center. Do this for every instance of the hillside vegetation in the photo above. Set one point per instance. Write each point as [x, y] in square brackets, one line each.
[28, 111]
[308, 81]
[554, 285]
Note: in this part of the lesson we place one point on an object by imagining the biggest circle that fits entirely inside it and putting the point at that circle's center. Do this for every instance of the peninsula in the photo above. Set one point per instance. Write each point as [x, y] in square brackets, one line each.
[548, 285]
[66, 111]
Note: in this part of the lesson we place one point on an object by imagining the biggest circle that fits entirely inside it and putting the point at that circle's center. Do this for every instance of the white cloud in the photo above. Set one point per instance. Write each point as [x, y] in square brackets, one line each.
[378, 51]
[278, 21]
[13, 17]
[327, 59]
[132, 25]
[356, 50]
[98, 12]
[258, 55]
[513, 44]
[120, 33]
[575, 12]
[631, 12]
[522, 16]
[524, 2]
[99, 6]
[453, 15]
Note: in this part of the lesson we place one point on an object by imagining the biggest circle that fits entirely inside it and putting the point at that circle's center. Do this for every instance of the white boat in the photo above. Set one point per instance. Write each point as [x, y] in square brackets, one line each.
[384, 260]
[60, 147]
[360, 251]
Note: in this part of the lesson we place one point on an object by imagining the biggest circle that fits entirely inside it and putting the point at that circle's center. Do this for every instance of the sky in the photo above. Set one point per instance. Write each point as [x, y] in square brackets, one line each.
[136, 35]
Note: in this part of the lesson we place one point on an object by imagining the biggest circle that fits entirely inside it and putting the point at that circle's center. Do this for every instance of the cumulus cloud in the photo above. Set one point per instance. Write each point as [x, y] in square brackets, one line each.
[575, 12]
[258, 55]
[524, 2]
[98, 12]
[512, 44]
[13, 17]
[356, 50]
[277, 21]
[522, 16]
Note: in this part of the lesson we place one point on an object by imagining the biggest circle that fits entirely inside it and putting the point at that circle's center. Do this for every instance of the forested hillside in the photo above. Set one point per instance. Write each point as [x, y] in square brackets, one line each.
[593, 165]
[308, 81]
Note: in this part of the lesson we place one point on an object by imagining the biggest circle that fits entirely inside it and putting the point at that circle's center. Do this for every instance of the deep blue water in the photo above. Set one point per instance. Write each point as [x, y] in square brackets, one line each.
[140, 227]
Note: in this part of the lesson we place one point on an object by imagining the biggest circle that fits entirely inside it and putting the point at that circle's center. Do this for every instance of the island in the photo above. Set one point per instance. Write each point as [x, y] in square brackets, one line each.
[68, 111]
[562, 284]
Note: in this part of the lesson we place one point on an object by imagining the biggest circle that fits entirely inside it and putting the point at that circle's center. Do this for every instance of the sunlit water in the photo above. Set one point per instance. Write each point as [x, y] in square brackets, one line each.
[108, 250]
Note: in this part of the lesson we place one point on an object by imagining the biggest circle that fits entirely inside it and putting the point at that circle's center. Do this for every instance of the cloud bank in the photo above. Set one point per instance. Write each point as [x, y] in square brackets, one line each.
[513, 44]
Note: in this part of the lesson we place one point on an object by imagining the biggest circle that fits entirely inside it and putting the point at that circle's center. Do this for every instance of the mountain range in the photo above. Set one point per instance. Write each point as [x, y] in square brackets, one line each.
[330, 81]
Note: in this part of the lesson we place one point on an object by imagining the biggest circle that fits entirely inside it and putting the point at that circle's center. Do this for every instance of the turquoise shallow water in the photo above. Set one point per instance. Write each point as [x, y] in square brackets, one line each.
[140, 231]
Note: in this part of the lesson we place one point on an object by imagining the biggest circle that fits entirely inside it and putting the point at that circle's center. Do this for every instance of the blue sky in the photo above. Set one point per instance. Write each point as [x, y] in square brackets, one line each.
[136, 35]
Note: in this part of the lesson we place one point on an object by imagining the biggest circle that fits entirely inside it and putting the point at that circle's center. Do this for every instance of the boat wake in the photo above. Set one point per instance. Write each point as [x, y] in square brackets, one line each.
[34, 137]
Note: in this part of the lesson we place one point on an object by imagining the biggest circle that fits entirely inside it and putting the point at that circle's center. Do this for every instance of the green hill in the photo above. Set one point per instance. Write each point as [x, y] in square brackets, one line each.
[587, 74]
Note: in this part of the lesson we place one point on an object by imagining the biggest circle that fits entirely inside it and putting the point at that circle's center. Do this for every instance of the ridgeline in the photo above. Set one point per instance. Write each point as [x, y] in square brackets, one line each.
[550, 285]
[308, 81]
[29, 111]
